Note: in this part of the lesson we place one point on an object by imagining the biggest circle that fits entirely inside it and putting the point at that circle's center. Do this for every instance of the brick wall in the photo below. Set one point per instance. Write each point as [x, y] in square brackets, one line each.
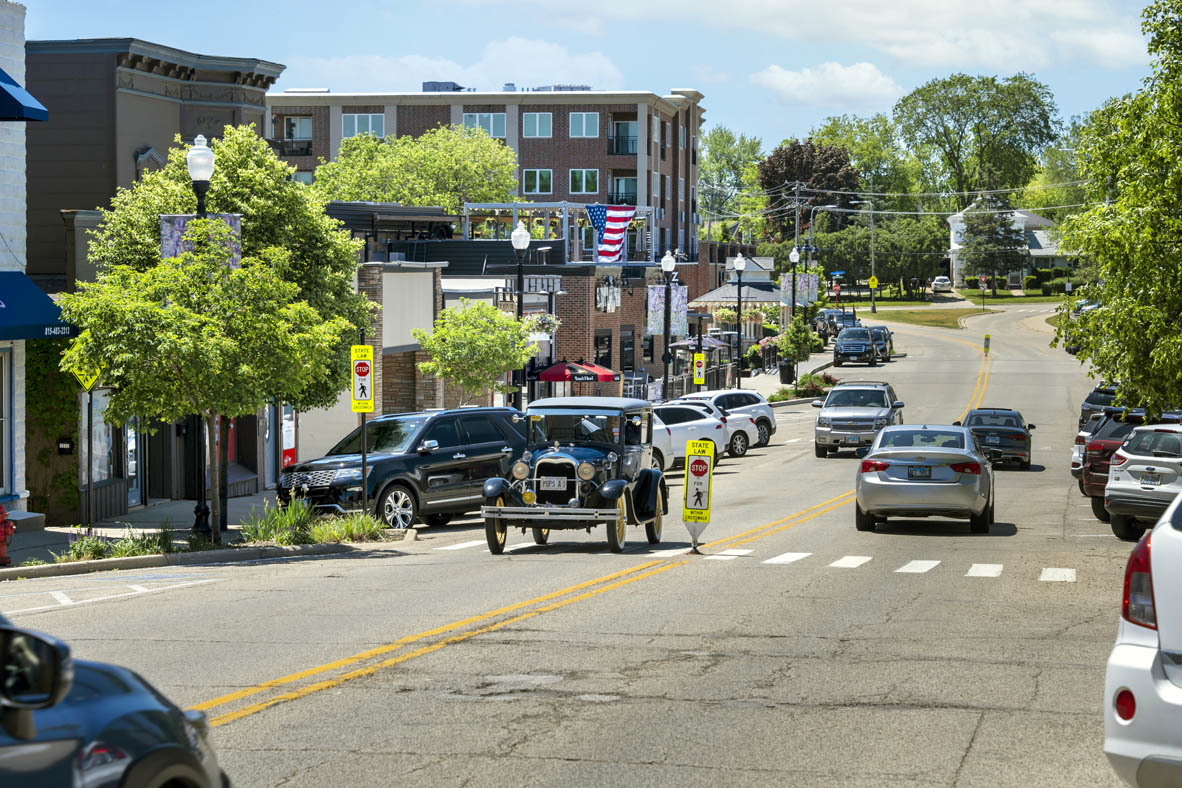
[320, 134]
[398, 382]
[413, 121]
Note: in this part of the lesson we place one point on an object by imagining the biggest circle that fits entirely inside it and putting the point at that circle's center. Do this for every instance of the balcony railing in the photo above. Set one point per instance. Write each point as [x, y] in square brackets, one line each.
[621, 146]
[288, 147]
[622, 198]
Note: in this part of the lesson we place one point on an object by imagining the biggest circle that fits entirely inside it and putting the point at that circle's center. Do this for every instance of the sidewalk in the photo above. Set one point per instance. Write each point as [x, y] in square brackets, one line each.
[768, 383]
[178, 515]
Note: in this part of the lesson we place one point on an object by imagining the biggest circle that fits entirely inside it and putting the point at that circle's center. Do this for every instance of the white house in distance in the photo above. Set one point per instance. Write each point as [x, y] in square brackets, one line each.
[1044, 251]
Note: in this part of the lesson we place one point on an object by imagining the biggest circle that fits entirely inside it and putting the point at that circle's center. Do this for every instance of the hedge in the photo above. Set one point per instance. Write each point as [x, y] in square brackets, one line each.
[1030, 282]
[1060, 273]
[1043, 274]
[1058, 285]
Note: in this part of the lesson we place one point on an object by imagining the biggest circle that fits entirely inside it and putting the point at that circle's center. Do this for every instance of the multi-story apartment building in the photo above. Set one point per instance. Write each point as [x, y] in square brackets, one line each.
[572, 143]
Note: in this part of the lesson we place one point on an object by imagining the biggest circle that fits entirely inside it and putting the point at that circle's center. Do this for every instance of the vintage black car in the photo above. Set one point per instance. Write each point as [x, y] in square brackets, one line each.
[588, 462]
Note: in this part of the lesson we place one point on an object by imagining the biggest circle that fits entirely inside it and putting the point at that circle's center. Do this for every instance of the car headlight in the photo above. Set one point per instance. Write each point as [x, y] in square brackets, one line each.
[347, 474]
[586, 471]
[823, 421]
[880, 423]
[520, 470]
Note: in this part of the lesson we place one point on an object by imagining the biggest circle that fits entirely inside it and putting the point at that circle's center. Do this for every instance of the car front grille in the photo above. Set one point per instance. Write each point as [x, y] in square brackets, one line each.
[853, 348]
[555, 468]
[302, 479]
[853, 426]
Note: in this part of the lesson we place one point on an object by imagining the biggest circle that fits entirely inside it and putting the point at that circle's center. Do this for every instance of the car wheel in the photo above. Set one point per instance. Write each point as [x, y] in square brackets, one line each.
[438, 520]
[820, 450]
[495, 532]
[398, 508]
[658, 460]
[979, 523]
[738, 444]
[874, 362]
[652, 530]
[837, 362]
[1082, 491]
[863, 521]
[1126, 528]
[617, 532]
[1098, 509]
[541, 535]
[765, 433]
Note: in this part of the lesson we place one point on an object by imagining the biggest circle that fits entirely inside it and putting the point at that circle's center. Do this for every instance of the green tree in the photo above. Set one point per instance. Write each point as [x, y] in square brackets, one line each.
[473, 345]
[988, 132]
[877, 153]
[1058, 180]
[1130, 152]
[722, 165]
[992, 246]
[193, 335]
[447, 166]
[278, 215]
[815, 165]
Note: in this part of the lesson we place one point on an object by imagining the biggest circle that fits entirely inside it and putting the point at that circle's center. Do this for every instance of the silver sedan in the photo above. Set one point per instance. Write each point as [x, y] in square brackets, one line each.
[925, 471]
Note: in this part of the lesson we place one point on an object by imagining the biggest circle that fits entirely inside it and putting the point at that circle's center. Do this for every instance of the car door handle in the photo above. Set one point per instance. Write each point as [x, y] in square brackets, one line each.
[459, 456]
[506, 450]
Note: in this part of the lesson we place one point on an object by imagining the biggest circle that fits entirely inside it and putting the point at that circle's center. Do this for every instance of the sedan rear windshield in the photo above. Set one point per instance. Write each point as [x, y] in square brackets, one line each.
[389, 436]
[922, 439]
[1100, 398]
[1151, 443]
[857, 398]
[855, 334]
[994, 420]
[879, 333]
[1112, 430]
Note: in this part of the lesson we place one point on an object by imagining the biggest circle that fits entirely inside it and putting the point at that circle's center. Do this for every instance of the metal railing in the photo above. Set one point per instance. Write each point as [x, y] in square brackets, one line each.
[621, 146]
[289, 147]
[622, 198]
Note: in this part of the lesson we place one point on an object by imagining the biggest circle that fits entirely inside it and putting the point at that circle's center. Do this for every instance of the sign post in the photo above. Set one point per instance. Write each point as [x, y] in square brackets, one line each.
[699, 369]
[87, 381]
[361, 361]
[699, 474]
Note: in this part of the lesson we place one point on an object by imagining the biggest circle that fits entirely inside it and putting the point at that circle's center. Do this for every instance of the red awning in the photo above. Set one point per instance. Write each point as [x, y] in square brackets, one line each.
[603, 374]
[567, 372]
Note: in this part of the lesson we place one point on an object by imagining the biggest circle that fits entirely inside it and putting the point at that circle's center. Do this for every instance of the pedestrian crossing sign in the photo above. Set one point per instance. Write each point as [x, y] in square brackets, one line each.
[361, 361]
[699, 369]
[699, 473]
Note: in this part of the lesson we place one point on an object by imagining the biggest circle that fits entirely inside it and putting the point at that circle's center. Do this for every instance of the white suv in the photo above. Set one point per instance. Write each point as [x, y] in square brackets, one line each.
[741, 430]
[1144, 477]
[1143, 682]
[941, 284]
[752, 403]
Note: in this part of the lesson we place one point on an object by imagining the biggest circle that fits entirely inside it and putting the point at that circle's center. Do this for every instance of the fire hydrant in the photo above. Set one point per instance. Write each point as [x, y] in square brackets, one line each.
[7, 529]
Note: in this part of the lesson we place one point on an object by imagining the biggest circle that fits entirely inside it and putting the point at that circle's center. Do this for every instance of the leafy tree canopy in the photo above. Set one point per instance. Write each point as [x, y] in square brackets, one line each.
[813, 164]
[723, 165]
[1057, 181]
[283, 225]
[992, 246]
[1131, 154]
[447, 166]
[878, 155]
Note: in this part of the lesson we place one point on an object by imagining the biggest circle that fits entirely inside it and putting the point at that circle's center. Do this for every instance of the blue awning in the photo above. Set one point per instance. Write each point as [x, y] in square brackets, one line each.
[26, 312]
[16, 103]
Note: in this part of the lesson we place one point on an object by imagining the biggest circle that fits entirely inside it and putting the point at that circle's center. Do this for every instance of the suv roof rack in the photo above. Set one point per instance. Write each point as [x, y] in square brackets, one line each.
[860, 383]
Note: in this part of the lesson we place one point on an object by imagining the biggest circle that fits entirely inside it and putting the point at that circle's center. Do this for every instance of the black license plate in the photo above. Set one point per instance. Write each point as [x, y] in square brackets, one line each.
[919, 471]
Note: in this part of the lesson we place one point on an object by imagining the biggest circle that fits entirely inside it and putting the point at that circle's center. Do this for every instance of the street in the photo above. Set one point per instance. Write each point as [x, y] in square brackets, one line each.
[796, 651]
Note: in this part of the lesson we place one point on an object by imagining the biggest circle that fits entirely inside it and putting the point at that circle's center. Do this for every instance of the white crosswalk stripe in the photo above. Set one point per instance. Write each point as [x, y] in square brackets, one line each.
[669, 553]
[917, 567]
[1057, 575]
[728, 555]
[462, 545]
[850, 562]
[984, 570]
[787, 558]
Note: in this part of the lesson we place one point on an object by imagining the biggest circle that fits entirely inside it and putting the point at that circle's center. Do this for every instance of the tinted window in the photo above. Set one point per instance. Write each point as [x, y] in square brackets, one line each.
[391, 436]
[444, 431]
[480, 430]
[923, 439]
[1111, 429]
[678, 415]
[1100, 398]
[855, 334]
[1151, 443]
[747, 399]
[994, 420]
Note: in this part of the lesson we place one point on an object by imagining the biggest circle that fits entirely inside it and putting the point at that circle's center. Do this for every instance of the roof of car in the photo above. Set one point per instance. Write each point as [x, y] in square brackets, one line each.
[993, 410]
[612, 403]
[860, 383]
[441, 411]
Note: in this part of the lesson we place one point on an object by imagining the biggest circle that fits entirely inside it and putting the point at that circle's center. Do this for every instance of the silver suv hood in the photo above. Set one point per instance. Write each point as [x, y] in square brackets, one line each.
[858, 414]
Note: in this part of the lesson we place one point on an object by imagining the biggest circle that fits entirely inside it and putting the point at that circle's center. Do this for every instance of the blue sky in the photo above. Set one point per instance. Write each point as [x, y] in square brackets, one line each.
[769, 68]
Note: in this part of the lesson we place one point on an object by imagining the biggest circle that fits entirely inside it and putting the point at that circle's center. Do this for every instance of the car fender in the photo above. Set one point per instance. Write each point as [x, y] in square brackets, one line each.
[612, 490]
[495, 487]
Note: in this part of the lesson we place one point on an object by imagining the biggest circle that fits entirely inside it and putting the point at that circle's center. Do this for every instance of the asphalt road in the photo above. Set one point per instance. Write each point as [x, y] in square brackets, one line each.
[798, 651]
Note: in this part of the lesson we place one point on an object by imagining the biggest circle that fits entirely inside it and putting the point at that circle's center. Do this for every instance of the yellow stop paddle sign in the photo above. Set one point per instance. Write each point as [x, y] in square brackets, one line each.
[874, 283]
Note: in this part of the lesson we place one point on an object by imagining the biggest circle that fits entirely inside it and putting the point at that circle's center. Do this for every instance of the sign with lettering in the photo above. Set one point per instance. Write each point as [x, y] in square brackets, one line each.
[361, 357]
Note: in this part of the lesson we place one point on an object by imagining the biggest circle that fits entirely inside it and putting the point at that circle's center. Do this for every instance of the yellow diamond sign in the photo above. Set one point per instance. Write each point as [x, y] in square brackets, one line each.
[87, 379]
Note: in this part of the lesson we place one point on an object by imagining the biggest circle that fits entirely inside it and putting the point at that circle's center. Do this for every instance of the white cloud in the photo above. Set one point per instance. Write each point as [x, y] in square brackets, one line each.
[526, 62]
[860, 86]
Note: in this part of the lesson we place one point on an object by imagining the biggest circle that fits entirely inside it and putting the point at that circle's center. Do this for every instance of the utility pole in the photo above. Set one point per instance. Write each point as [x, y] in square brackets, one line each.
[873, 273]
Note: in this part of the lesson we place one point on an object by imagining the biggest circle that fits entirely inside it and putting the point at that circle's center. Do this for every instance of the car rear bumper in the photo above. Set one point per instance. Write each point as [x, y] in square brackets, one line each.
[1146, 750]
[917, 499]
[1135, 506]
[1077, 471]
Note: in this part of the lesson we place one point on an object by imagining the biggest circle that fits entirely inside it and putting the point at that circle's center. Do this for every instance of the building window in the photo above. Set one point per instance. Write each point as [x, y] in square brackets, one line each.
[584, 124]
[536, 124]
[668, 191]
[627, 348]
[681, 190]
[302, 176]
[603, 347]
[353, 124]
[584, 181]
[104, 457]
[656, 127]
[537, 181]
[297, 128]
[625, 191]
[656, 186]
[493, 123]
[694, 198]
[681, 139]
[589, 239]
[648, 348]
[665, 238]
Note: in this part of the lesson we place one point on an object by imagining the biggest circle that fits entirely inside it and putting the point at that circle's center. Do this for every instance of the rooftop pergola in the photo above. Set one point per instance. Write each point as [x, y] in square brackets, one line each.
[556, 220]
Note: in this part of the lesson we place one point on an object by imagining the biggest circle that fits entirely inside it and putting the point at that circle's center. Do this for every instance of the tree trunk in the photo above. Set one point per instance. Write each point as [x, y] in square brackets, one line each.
[215, 478]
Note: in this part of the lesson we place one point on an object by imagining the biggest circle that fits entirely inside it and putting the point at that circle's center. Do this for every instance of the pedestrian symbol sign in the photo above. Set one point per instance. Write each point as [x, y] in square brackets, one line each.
[699, 369]
[88, 378]
[361, 357]
[874, 283]
[699, 472]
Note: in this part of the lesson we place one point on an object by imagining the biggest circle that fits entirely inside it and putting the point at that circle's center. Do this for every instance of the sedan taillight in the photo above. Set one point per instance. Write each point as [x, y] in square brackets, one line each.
[872, 466]
[967, 467]
[1137, 607]
[1095, 447]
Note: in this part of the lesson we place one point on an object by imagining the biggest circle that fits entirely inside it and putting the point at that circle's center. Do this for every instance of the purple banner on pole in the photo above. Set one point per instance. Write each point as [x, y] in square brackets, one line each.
[678, 313]
[172, 234]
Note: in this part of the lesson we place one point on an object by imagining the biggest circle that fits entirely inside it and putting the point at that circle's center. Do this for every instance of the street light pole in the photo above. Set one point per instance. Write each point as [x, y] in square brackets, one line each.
[794, 258]
[740, 265]
[668, 264]
[812, 215]
[199, 161]
[520, 240]
[873, 272]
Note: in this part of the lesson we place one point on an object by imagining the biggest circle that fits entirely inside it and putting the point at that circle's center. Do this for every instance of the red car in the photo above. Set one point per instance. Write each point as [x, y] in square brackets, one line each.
[1108, 437]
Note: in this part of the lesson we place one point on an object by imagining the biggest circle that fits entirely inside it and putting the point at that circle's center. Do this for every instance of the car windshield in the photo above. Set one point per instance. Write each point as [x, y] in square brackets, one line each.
[922, 439]
[994, 420]
[388, 436]
[857, 398]
[855, 334]
[1112, 430]
[570, 426]
[1102, 398]
[879, 333]
[1154, 443]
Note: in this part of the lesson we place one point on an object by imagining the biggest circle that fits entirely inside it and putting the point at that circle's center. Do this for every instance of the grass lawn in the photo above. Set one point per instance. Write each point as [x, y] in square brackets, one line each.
[1005, 296]
[1053, 321]
[938, 318]
[864, 303]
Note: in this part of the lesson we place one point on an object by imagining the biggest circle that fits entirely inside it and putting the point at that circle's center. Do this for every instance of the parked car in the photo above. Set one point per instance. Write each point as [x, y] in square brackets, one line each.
[1142, 699]
[841, 320]
[821, 322]
[749, 403]
[941, 284]
[1077, 449]
[854, 344]
[741, 430]
[685, 423]
[852, 414]
[1144, 477]
[67, 723]
[427, 466]
[1004, 431]
[1098, 400]
[925, 471]
[884, 342]
[1109, 435]
[588, 462]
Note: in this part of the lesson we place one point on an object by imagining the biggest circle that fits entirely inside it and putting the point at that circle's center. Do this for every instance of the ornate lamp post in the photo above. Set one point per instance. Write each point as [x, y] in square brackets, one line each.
[794, 258]
[520, 240]
[668, 265]
[199, 161]
[740, 265]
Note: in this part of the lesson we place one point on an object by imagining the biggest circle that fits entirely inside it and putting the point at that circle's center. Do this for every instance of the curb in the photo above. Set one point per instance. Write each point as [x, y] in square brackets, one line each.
[171, 559]
[960, 321]
[803, 400]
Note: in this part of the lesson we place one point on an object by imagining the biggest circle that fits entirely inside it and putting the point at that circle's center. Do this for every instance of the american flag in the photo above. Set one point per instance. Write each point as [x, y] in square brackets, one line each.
[611, 221]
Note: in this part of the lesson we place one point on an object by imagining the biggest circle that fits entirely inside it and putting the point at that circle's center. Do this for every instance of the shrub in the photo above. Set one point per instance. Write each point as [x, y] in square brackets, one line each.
[1059, 285]
[143, 544]
[818, 343]
[1030, 282]
[1060, 273]
[782, 394]
[290, 525]
[1043, 275]
[1045, 287]
[84, 548]
[828, 379]
[355, 527]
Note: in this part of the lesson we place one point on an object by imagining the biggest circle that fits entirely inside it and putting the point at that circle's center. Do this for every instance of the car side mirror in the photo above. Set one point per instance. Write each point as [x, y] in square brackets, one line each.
[862, 451]
[897, 404]
[428, 447]
[1029, 426]
[817, 403]
[956, 423]
[517, 417]
[35, 673]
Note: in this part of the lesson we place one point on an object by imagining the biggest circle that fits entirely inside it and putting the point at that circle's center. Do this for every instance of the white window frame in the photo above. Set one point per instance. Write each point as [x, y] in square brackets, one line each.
[537, 180]
[347, 117]
[582, 119]
[681, 190]
[537, 116]
[486, 121]
[289, 118]
[668, 140]
[657, 128]
[570, 180]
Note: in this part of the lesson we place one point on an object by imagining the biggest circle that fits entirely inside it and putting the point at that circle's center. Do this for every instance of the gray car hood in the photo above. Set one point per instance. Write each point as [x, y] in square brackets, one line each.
[855, 413]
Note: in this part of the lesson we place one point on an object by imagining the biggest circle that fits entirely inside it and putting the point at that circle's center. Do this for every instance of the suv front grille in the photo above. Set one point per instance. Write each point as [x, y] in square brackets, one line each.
[555, 468]
[309, 479]
[856, 426]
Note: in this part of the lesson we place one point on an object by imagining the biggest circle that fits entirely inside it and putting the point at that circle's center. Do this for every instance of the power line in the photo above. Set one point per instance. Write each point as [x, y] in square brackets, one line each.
[944, 194]
[785, 210]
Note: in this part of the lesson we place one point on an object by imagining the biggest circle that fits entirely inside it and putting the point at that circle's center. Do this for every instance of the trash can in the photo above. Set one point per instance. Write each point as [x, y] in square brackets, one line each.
[787, 372]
